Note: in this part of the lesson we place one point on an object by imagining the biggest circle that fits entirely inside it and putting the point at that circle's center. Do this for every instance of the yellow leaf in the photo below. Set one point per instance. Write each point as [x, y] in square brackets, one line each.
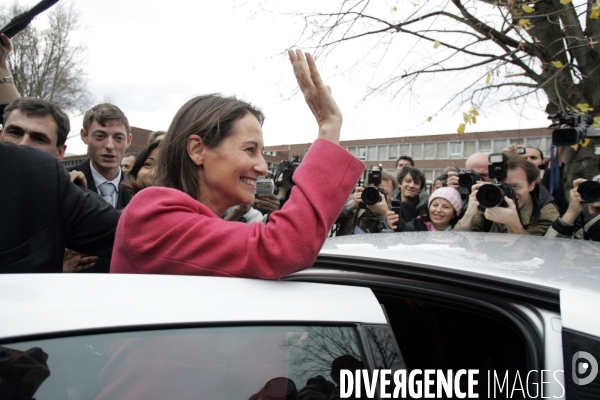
[436, 44]
[575, 146]
[429, 119]
[585, 107]
[595, 12]
[474, 112]
[395, 8]
[465, 117]
[565, 1]
[527, 8]
[461, 129]
[557, 64]
[596, 123]
[585, 142]
[473, 119]
[524, 21]
[488, 79]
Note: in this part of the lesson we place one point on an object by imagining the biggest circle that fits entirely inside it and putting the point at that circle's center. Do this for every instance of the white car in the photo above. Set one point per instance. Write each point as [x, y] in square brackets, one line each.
[491, 315]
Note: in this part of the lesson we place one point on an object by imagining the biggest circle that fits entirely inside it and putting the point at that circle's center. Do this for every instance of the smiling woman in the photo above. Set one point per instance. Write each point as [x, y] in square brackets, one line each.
[209, 161]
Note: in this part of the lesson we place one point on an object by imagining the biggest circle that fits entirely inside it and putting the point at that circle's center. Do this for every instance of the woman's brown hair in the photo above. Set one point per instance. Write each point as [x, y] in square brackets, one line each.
[213, 118]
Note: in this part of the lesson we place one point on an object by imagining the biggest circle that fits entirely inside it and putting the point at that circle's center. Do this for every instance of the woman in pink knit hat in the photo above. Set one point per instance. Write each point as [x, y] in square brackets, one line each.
[443, 209]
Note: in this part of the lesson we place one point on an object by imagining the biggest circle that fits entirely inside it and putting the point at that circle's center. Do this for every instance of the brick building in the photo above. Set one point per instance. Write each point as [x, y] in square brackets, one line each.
[432, 153]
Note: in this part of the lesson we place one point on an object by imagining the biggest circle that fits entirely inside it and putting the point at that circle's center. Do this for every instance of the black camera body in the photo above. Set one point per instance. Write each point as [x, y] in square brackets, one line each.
[286, 169]
[370, 196]
[589, 191]
[468, 178]
[576, 132]
[492, 195]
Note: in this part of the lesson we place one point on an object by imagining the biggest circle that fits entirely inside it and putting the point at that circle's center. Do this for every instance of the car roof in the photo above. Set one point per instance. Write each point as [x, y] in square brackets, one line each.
[550, 262]
[46, 303]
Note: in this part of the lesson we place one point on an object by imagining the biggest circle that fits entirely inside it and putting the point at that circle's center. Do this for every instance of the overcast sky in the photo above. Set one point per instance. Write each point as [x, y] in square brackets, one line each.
[148, 57]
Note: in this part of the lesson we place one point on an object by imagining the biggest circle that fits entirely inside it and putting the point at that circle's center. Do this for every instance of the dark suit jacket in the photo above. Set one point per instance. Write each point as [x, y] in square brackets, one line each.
[103, 263]
[124, 195]
[42, 212]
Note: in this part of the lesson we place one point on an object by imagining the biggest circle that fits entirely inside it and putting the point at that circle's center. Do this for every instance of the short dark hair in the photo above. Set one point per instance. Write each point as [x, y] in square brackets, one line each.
[515, 161]
[415, 173]
[133, 153]
[407, 158]
[33, 107]
[102, 113]
[535, 148]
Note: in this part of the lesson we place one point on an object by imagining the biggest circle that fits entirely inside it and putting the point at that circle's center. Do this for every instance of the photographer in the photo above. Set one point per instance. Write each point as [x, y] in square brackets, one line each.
[530, 211]
[579, 221]
[357, 218]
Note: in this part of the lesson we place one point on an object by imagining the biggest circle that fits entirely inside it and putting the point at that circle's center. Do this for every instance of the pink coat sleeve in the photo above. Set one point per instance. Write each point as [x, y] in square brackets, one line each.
[165, 231]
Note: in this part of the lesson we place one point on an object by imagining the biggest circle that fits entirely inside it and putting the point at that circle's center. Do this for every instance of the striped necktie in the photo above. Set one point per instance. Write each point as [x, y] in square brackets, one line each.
[107, 189]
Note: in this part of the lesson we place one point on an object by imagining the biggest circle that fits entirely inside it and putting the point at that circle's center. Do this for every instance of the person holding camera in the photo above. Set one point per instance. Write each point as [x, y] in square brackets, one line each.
[515, 205]
[365, 215]
[579, 221]
[443, 209]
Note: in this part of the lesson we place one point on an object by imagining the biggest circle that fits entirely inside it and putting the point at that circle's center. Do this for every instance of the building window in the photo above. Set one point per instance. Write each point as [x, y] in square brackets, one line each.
[393, 152]
[455, 150]
[416, 151]
[500, 145]
[362, 153]
[429, 151]
[382, 153]
[470, 148]
[352, 151]
[442, 151]
[372, 153]
[485, 146]
[428, 175]
[405, 149]
[518, 141]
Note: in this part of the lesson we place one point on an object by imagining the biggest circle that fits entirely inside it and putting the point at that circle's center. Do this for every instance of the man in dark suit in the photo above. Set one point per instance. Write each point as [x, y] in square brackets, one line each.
[42, 212]
[107, 134]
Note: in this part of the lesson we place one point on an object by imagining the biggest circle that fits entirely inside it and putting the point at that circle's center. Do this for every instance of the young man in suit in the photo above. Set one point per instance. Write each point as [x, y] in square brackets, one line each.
[107, 134]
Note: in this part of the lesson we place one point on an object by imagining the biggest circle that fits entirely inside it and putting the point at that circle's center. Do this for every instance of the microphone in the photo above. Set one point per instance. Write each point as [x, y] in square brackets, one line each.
[21, 21]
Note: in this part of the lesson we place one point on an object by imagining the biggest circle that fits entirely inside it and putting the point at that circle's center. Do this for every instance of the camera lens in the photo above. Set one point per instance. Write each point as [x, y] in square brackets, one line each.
[466, 180]
[490, 196]
[370, 196]
[589, 191]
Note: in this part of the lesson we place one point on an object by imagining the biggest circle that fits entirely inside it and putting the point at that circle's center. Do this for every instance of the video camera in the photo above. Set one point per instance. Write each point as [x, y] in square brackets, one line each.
[370, 196]
[492, 195]
[286, 168]
[577, 131]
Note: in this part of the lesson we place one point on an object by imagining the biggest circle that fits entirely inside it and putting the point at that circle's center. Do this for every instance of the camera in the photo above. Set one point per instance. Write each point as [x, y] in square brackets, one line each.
[286, 169]
[589, 191]
[370, 196]
[578, 128]
[264, 186]
[490, 196]
[468, 178]
[521, 150]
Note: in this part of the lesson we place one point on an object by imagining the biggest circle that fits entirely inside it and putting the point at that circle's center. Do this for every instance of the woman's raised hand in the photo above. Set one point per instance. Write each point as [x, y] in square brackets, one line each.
[317, 95]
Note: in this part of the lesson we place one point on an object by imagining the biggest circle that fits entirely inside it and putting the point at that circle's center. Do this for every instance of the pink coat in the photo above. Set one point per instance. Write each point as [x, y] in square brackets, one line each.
[165, 231]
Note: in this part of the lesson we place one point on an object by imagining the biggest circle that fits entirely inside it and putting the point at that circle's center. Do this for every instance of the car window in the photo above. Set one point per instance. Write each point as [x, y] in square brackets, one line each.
[199, 363]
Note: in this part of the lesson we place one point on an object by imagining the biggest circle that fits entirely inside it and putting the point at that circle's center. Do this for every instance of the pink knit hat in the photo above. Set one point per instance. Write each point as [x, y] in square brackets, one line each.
[450, 194]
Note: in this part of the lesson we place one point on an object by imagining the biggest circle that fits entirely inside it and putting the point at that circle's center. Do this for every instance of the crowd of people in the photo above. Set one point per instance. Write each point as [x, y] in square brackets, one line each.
[453, 202]
[187, 202]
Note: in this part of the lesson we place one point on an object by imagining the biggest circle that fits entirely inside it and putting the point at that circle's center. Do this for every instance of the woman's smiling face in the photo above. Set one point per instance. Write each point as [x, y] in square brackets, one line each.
[228, 173]
[441, 213]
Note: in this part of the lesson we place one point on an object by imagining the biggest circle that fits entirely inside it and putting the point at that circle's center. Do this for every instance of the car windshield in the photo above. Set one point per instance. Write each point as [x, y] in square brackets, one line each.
[195, 363]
